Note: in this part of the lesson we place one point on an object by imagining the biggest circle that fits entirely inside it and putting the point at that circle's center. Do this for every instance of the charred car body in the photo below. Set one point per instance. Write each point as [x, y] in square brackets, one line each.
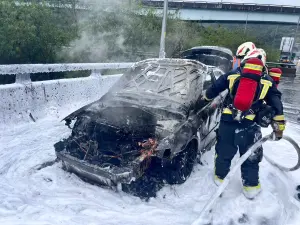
[218, 57]
[148, 115]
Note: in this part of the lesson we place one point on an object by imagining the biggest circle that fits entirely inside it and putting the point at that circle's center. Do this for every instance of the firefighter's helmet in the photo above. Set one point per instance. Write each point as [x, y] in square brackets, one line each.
[244, 49]
[276, 73]
[257, 53]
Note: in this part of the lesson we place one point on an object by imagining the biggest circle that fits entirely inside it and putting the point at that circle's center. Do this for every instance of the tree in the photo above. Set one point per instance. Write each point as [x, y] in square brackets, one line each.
[129, 33]
[32, 33]
[50, 31]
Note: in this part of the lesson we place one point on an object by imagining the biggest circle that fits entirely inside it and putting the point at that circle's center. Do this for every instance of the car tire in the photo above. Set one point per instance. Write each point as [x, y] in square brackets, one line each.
[64, 166]
[181, 166]
[147, 185]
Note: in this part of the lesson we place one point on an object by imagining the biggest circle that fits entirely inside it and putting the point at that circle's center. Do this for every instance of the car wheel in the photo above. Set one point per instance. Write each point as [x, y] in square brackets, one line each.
[181, 166]
[147, 185]
[63, 165]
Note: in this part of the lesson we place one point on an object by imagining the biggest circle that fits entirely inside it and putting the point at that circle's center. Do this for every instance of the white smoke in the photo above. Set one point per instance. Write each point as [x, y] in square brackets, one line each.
[94, 45]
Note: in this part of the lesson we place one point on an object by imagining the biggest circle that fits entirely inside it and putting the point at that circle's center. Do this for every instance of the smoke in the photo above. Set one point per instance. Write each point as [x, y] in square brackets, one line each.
[100, 32]
[93, 48]
[119, 30]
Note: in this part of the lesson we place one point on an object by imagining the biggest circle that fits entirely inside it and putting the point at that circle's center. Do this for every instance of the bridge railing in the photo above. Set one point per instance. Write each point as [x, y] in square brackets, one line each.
[23, 71]
[27, 101]
[225, 5]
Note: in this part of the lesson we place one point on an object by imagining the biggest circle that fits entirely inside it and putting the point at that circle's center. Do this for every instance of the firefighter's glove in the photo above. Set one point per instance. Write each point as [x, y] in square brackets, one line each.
[264, 117]
[278, 128]
[201, 102]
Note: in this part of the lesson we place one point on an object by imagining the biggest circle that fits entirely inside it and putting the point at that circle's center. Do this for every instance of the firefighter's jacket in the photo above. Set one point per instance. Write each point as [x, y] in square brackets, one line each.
[266, 91]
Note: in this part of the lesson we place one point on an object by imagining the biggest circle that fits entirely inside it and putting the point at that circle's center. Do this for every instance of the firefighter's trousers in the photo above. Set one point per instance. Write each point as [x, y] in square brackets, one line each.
[233, 136]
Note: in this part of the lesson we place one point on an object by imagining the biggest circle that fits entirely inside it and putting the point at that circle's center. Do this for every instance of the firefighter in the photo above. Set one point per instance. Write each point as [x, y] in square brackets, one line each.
[275, 73]
[266, 112]
[257, 53]
[241, 52]
[236, 62]
[238, 129]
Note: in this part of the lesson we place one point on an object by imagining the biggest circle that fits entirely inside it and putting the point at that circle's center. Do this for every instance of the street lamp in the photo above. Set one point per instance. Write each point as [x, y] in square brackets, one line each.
[296, 32]
[248, 11]
[162, 52]
[246, 23]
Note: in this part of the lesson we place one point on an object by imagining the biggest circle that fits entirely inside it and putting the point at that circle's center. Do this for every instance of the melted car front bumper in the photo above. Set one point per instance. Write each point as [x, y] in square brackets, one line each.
[105, 176]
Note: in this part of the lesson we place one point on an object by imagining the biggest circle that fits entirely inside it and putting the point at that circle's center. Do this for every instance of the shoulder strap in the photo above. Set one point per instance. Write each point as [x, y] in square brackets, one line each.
[232, 79]
[266, 84]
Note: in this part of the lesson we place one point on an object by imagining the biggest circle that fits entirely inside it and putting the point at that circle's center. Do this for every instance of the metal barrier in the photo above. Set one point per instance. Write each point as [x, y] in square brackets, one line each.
[23, 71]
[27, 101]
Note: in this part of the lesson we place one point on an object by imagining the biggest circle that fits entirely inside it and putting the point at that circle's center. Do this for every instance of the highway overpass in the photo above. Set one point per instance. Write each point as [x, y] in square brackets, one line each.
[226, 12]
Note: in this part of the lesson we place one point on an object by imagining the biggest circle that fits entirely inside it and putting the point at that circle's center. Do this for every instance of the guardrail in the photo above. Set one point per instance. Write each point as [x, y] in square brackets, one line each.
[281, 64]
[23, 71]
[26, 101]
[226, 5]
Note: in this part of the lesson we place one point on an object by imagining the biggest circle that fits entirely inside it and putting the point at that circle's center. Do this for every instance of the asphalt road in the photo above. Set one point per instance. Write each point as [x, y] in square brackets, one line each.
[290, 88]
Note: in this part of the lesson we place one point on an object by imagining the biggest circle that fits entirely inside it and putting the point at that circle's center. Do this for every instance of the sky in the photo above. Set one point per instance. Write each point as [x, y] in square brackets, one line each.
[277, 2]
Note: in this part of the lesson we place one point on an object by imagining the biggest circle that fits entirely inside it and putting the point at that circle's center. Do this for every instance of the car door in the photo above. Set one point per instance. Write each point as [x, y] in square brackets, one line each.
[212, 112]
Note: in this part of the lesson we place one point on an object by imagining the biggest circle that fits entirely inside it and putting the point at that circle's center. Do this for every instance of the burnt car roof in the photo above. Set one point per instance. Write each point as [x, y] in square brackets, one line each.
[172, 79]
[211, 55]
[214, 49]
[157, 84]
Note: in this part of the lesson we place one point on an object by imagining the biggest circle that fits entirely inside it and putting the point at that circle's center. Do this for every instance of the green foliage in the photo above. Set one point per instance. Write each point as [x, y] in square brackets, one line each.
[232, 37]
[129, 34]
[124, 33]
[221, 36]
[32, 33]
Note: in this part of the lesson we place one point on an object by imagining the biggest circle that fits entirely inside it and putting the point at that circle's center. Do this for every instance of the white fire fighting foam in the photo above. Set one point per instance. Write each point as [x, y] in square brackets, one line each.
[53, 196]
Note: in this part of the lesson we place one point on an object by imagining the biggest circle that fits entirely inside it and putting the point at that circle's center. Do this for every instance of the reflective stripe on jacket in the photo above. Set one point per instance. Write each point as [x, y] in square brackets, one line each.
[267, 92]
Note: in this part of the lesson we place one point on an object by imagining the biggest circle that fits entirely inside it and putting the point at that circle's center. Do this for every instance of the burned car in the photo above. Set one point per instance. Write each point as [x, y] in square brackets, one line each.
[150, 116]
[215, 56]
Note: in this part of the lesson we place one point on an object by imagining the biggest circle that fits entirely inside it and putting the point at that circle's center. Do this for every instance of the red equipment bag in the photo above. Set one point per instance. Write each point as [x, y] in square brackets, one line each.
[248, 84]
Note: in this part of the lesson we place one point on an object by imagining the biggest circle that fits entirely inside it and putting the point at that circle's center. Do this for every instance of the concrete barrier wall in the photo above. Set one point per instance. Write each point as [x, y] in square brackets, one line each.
[34, 101]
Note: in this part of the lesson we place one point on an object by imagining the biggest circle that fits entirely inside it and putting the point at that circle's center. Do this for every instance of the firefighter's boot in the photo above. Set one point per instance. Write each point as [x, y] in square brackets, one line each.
[218, 181]
[251, 192]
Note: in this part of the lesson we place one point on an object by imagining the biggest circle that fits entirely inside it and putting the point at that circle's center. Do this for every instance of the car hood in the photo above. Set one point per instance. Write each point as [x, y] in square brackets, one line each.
[150, 102]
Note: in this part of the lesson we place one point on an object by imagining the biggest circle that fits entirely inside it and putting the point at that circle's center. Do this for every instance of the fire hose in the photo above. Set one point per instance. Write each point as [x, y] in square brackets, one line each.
[243, 158]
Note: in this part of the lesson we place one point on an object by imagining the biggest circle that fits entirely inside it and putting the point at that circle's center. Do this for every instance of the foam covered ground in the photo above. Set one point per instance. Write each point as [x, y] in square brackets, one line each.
[53, 196]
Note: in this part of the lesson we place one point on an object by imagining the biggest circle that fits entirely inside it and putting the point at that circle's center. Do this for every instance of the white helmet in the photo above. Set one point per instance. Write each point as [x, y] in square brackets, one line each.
[264, 55]
[257, 53]
[244, 48]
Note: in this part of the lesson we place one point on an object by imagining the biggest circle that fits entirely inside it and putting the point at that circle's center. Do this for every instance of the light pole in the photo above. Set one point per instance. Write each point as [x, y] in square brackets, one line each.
[246, 23]
[296, 32]
[273, 42]
[162, 53]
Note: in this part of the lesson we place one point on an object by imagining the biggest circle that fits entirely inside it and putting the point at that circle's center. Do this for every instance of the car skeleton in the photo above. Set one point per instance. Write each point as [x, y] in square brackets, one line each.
[151, 112]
